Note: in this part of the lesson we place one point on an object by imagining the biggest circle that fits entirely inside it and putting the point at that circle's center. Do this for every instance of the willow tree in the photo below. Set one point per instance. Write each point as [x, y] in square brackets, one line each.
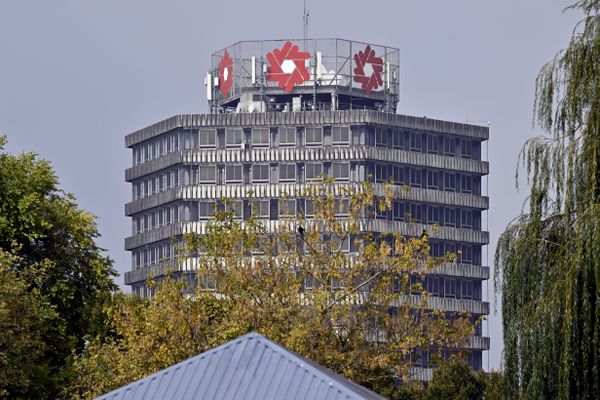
[548, 260]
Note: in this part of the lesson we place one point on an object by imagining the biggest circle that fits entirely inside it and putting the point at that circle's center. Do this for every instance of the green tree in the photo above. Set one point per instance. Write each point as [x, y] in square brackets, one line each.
[494, 386]
[27, 320]
[148, 335]
[548, 259]
[49, 245]
[361, 315]
[454, 381]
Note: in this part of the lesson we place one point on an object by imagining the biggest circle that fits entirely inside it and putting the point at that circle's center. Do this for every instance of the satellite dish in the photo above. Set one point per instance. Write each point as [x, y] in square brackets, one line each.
[251, 108]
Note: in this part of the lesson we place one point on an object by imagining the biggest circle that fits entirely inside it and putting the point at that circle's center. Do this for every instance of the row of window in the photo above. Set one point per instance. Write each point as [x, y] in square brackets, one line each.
[426, 359]
[266, 209]
[164, 144]
[430, 214]
[401, 211]
[446, 287]
[439, 286]
[291, 208]
[272, 209]
[272, 173]
[161, 216]
[152, 255]
[360, 135]
[465, 253]
[423, 142]
[367, 135]
[306, 172]
[273, 137]
[238, 173]
[424, 178]
[164, 180]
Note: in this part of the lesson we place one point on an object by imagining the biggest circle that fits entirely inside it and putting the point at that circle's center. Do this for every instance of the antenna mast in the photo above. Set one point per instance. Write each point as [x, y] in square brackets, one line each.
[305, 23]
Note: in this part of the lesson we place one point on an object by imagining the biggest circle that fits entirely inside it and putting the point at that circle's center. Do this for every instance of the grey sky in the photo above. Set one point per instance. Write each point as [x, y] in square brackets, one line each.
[76, 76]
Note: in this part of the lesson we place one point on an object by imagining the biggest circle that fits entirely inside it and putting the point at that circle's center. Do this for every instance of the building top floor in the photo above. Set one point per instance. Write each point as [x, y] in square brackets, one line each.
[309, 118]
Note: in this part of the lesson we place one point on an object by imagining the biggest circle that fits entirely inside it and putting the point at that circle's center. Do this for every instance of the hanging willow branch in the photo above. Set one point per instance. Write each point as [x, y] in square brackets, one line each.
[547, 262]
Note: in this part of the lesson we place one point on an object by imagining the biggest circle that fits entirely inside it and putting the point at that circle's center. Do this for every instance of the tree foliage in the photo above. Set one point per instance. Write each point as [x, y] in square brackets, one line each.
[361, 315]
[27, 320]
[455, 381]
[495, 388]
[149, 335]
[548, 259]
[48, 248]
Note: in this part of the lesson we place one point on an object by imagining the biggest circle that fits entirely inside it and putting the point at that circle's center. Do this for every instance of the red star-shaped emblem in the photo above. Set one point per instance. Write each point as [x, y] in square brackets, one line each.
[288, 66]
[225, 73]
[361, 59]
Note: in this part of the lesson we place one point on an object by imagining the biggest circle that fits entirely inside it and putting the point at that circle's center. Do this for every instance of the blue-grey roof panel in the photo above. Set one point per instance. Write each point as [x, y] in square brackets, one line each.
[250, 367]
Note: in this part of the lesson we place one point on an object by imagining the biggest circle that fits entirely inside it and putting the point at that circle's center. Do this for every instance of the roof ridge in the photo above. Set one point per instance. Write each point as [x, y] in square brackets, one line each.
[319, 372]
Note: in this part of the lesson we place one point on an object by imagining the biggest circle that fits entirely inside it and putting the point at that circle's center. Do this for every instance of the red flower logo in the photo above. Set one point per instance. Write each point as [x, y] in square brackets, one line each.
[288, 66]
[364, 60]
[225, 73]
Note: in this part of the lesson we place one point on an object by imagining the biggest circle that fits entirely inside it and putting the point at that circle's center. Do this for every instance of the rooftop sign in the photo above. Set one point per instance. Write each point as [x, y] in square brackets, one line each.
[288, 66]
[298, 66]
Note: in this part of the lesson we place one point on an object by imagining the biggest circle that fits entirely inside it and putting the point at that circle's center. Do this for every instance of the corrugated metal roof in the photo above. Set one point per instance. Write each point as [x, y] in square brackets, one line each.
[250, 367]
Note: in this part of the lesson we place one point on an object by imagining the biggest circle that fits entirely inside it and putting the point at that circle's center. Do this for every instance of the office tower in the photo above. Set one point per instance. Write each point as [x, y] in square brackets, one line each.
[283, 113]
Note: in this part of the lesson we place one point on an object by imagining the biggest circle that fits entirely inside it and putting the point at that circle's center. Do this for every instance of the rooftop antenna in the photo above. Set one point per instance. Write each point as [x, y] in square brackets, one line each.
[305, 23]
[480, 122]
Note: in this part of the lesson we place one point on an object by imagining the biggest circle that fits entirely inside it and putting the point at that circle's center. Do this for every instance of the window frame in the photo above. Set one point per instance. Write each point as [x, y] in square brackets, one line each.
[433, 144]
[466, 183]
[315, 130]
[287, 167]
[450, 216]
[339, 131]
[213, 180]
[260, 206]
[466, 149]
[284, 210]
[236, 207]
[398, 211]
[233, 133]
[399, 176]
[416, 141]
[234, 168]
[261, 179]
[433, 215]
[449, 182]
[309, 208]
[466, 219]
[449, 146]
[416, 177]
[433, 180]
[209, 207]
[207, 133]
[381, 137]
[381, 173]
[450, 288]
[287, 130]
[339, 166]
[260, 134]
[313, 166]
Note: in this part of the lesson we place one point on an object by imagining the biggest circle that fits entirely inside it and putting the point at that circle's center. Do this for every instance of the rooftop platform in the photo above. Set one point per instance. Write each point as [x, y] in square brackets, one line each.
[303, 75]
